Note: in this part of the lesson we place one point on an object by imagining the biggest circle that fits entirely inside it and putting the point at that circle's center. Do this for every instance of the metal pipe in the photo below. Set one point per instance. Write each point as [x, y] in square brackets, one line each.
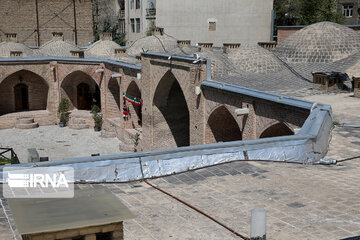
[75, 27]
[199, 211]
[37, 23]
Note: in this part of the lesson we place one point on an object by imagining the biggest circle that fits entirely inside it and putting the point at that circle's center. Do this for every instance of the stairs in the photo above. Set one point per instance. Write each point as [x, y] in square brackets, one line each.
[26, 123]
[78, 123]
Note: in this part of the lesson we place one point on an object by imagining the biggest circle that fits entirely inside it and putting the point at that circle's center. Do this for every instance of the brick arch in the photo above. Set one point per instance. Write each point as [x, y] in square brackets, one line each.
[222, 127]
[17, 68]
[135, 115]
[70, 89]
[171, 126]
[276, 129]
[37, 91]
[114, 101]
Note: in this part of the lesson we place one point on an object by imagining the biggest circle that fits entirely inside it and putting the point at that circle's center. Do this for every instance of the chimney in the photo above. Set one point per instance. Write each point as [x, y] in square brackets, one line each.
[138, 59]
[58, 36]
[205, 47]
[77, 54]
[158, 31]
[106, 36]
[183, 43]
[120, 52]
[11, 37]
[229, 47]
[16, 54]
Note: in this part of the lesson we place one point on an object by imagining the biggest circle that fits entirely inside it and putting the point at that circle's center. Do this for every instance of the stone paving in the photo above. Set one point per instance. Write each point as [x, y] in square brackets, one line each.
[302, 201]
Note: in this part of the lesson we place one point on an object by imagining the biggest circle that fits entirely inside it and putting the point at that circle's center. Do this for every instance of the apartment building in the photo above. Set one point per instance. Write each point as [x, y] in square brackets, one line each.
[350, 9]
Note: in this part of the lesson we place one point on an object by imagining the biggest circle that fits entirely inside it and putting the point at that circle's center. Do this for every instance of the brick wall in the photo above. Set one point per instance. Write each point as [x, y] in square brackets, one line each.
[54, 16]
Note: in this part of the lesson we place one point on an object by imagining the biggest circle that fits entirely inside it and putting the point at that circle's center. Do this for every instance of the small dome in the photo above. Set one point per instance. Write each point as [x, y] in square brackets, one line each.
[102, 49]
[159, 43]
[321, 42]
[58, 48]
[7, 47]
[255, 59]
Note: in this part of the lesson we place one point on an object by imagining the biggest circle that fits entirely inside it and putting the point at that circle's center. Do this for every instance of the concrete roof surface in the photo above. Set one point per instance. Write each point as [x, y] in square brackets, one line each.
[302, 201]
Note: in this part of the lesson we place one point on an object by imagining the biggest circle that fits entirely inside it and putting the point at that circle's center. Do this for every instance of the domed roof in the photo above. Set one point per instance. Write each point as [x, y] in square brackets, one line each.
[58, 48]
[102, 49]
[7, 47]
[254, 59]
[321, 42]
[159, 43]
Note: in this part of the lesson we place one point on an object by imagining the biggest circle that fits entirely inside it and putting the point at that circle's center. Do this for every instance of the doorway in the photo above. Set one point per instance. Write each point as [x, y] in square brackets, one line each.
[21, 94]
[83, 96]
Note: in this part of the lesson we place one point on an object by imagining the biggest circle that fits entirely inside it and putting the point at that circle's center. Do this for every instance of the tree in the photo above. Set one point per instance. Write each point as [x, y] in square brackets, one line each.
[312, 11]
[306, 12]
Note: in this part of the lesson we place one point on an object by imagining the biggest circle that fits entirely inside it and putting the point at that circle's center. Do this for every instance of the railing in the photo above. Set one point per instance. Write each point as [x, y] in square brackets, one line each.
[150, 12]
[121, 14]
[7, 155]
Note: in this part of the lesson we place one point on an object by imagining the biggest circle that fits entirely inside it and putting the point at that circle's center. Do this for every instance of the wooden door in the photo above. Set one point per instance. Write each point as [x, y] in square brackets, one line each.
[21, 97]
[83, 96]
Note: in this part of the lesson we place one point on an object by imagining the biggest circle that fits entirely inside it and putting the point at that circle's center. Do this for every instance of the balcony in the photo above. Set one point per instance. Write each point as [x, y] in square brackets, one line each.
[121, 14]
[150, 13]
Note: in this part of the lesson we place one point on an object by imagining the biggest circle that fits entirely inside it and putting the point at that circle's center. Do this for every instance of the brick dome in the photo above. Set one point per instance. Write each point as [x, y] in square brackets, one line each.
[159, 43]
[102, 49]
[321, 42]
[255, 59]
[7, 47]
[58, 48]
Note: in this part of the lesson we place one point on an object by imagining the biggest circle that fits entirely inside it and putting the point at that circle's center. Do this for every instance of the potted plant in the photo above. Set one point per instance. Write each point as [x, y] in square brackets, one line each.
[63, 111]
[97, 116]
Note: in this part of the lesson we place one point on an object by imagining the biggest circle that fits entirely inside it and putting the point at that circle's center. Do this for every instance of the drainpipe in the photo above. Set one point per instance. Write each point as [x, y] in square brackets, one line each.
[75, 27]
[37, 23]
[272, 25]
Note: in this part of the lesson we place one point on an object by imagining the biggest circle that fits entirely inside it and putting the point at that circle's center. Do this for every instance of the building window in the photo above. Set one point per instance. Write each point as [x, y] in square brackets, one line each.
[348, 10]
[132, 4]
[212, 26]
[132, 25]
[137, 4]
[138, 25]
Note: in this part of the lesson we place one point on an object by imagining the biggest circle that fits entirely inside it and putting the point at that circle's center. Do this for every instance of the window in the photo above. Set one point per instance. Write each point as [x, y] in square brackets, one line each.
[137, 4]
[348, 10]
[138, 25]
[132, 25]
[132, 4]
[212, 26]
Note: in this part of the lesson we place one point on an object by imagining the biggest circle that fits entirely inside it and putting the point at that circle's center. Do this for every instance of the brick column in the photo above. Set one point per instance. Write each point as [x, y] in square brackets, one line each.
[90, 237]
[117, 235]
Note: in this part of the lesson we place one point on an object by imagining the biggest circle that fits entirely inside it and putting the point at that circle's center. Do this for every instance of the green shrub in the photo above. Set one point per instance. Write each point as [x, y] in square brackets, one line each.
[63, 110]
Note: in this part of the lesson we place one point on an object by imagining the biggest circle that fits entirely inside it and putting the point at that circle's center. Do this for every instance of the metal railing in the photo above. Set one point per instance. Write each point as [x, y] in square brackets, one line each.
[9, 155]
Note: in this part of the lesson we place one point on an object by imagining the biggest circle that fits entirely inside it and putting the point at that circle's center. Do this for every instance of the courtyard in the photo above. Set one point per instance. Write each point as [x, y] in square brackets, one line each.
[302, 201]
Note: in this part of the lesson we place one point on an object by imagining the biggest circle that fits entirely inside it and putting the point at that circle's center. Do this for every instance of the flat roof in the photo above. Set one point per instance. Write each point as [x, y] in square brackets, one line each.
[89, 207]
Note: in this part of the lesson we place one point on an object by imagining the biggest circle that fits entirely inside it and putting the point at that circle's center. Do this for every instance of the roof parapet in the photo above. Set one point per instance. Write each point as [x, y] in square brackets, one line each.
[11, 37]
[77, 54]
[106, 36]
[229, 47]
[16, 54]
[184, 43]
[205, 46]
[120, 52]
[138, 58]
[158, 31]
[58, 36]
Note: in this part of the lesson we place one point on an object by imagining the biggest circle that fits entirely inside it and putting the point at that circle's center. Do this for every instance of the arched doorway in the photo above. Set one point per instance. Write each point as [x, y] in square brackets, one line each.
[222, 127]
[23, 91]
[114, 102]
[277, 130]
[171, 115]
[21, 94]
[135, 116]
[81, 89]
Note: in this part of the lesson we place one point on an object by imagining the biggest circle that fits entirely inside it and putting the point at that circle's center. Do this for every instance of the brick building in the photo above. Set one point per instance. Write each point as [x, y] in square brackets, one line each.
[170, 92]
[34, 21]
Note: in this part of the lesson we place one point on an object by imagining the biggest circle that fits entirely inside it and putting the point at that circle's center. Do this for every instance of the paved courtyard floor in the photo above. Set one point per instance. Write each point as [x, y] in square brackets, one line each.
[57, 143]
[302, 201]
